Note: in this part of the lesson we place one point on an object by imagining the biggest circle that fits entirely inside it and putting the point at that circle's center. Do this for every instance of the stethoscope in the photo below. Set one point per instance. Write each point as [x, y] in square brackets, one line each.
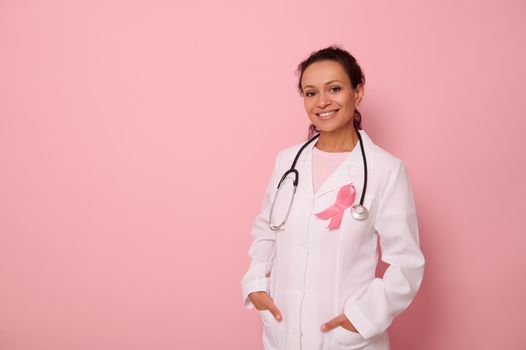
[358, 211]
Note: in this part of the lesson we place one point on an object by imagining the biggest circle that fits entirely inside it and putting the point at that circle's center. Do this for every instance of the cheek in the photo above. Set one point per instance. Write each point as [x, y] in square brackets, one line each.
[310, 114]
[347, 101]
[309, 104]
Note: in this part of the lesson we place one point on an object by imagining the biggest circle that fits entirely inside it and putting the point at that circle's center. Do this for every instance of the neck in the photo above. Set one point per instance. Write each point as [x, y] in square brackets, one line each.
[343, 139]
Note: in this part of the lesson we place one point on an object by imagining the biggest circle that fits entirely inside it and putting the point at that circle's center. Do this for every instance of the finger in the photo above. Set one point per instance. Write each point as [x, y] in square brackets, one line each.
[335, 322]
[347, 324]
[273, 309]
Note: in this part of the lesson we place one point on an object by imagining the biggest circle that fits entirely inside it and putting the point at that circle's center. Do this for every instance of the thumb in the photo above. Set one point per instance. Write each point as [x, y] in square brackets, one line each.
[274, 310]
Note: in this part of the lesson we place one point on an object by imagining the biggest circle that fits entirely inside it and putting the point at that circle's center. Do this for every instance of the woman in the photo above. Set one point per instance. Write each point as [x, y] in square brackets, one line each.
[313, 278]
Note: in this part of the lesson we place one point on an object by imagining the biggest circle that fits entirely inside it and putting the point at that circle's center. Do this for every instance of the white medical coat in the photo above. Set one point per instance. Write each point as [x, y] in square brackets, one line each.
[314, 274]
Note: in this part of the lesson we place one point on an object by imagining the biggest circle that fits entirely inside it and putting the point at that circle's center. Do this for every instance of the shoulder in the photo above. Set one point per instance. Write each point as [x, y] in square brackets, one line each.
[289, 152]
[386, 161]
[393, 177]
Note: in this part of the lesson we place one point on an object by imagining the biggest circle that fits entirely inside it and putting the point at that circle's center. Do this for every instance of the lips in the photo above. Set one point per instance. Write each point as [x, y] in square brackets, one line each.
[327, 115]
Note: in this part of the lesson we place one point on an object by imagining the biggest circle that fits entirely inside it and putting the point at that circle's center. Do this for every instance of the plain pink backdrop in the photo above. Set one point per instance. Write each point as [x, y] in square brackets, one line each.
[137, 137]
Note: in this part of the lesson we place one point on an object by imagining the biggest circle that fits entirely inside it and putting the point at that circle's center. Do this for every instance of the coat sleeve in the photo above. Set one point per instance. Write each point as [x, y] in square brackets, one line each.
[396, 224]
[262, 247]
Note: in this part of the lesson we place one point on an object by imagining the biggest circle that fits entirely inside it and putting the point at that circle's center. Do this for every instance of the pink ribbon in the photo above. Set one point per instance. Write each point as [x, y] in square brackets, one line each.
[344, 199]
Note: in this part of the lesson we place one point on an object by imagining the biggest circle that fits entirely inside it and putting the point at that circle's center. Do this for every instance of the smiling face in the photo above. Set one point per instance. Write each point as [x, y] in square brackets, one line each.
[328, 96]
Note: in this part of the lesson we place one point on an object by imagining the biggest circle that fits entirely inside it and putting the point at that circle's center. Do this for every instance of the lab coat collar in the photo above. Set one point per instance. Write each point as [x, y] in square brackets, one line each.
[349, 171]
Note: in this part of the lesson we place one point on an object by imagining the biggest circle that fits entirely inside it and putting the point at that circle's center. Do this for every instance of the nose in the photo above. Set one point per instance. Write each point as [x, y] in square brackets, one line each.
[324, 100]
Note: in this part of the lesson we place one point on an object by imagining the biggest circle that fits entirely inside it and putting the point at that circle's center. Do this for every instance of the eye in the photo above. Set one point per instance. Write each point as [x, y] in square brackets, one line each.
[309, 93]
[335, 88]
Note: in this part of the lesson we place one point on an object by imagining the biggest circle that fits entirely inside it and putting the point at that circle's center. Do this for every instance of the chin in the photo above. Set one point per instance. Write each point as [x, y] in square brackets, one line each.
[327, 127]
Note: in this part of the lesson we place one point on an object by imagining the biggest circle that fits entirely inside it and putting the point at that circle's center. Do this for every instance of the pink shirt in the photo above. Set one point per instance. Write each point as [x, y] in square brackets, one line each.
[324, 164]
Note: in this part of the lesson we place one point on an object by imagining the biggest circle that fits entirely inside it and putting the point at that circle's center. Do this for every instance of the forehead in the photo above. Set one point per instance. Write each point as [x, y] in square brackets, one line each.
[319, 73]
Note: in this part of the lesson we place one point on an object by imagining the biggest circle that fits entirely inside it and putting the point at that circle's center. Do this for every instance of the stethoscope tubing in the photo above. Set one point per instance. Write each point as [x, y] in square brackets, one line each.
[364, 169]
[359, 212]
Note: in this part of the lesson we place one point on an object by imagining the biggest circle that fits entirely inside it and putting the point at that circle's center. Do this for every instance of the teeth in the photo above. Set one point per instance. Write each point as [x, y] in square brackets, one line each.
[326, 114]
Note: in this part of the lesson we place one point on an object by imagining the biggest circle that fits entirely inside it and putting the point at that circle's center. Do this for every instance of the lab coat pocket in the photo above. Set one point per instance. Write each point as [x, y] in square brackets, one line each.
[269, 330]
[345, 339]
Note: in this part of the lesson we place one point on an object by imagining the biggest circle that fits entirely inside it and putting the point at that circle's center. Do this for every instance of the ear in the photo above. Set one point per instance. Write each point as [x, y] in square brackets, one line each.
[358, 94]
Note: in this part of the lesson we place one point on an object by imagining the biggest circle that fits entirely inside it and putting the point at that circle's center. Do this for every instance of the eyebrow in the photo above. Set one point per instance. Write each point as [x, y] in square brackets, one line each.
[327, 83]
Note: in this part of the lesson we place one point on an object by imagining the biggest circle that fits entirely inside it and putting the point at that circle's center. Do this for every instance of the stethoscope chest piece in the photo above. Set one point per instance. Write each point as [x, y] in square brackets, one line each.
[359, 212]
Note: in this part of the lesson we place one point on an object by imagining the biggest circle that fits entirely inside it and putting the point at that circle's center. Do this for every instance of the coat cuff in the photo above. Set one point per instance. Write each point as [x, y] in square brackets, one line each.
[259, 285]
[359, 321]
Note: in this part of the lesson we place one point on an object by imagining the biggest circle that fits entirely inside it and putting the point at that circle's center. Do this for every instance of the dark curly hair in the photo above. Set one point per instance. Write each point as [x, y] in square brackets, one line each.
[350, 65]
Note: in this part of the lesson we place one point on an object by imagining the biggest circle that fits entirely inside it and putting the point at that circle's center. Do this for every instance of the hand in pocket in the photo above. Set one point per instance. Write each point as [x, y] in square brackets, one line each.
[263, 301]
[342, 321]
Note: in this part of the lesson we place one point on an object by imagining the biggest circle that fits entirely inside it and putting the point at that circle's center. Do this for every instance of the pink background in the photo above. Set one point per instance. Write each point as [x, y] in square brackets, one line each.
[137, 137]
